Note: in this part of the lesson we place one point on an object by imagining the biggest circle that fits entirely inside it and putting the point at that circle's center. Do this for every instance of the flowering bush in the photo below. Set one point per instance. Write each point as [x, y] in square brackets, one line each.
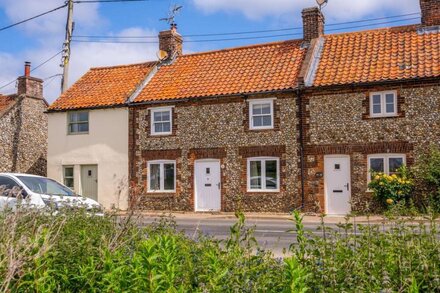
[391, 189]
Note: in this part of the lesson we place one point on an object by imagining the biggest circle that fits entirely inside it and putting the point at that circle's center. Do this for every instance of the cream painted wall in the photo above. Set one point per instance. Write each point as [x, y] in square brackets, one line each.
[106, 145]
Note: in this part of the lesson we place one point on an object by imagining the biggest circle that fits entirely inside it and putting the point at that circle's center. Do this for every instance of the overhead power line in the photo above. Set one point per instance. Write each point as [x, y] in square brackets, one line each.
[247, 32]
[107, 1]
[33, 69]
[116, 41]
[33, 17]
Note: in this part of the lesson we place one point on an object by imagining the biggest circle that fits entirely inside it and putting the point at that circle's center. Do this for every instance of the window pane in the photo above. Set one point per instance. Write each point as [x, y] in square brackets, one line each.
[166, 127]
[68, 172]
[394, 164]
[73, 117]
[73, 128]
[390, 108]
[376, 165]
[258, 121]
[376, 99]
[389, 98]
[158, 127]
[83, 116]
[376, 109]
[255, 174]
[267, 120]
[83, 127]
[271, 175]
[68, 182]
[161, 116]
[265, 109]
[257, 109]
[169, 177]
[154, 177]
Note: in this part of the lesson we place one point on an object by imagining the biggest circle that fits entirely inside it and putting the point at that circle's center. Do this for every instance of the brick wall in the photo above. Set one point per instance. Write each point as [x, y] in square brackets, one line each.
[430, 12]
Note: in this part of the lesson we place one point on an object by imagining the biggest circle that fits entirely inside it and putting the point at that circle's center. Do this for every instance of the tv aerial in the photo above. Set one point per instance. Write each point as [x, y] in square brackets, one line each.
[172, 15]
[322, 3]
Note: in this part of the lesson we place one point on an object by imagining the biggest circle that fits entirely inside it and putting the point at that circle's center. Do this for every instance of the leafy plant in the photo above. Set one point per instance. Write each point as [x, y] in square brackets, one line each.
[392, 189]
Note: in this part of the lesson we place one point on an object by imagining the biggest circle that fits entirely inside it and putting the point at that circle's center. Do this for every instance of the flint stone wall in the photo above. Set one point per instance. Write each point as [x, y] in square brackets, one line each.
[218, 128]
[340, 124]
[23, 137]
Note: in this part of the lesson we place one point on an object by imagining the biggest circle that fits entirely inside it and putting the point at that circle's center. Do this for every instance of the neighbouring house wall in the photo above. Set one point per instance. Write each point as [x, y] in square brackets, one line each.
[106, 145]
[340, 124]
[218, 129]
[23, 136]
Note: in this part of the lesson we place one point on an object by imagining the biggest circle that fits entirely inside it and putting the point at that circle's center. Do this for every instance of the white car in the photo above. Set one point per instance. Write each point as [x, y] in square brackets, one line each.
[40, 192]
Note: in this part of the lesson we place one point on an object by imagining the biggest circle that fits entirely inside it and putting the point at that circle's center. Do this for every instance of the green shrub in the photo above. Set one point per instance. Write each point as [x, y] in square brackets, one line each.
[392, 189]
[427, 173]
[77, 252]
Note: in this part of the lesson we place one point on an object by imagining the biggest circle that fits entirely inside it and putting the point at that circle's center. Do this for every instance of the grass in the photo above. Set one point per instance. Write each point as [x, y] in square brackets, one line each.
[76, 252]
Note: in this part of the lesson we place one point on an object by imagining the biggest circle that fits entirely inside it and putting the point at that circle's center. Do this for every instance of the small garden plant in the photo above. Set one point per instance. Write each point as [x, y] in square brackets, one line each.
[392, 189]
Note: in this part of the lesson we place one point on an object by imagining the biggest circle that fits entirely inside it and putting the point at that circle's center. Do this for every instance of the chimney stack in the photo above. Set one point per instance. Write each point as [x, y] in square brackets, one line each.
[430, 12]
[28, 85]
[313, 23]
[171, 42]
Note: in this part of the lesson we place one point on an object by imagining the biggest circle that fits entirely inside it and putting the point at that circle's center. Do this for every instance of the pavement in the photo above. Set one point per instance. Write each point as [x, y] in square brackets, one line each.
[272, 231]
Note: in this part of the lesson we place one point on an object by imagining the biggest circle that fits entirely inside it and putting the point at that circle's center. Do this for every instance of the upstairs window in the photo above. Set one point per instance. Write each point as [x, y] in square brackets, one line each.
[162, 176]
[385, 163]
[263, 174]
[383, 104]
[78, 122]
[261, 114]
[161, 121]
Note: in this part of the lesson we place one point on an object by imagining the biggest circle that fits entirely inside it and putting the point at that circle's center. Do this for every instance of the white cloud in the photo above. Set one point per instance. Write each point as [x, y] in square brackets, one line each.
[338, 10]
[49, 31]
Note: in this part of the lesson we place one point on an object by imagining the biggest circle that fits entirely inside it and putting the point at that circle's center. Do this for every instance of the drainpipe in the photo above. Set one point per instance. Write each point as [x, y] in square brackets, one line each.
[301, 145]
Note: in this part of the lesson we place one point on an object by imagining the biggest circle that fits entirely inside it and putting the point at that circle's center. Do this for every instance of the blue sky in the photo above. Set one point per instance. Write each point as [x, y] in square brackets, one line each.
[40, 39]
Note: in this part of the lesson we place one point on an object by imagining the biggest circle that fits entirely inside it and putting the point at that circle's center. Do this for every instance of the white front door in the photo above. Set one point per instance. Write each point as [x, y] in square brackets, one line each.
[337, 185]
[89, 181]
[207, 185]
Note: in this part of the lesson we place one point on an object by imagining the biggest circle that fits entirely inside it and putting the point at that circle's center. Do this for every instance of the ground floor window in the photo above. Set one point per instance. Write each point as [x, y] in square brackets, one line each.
[68, 178]
[263, 174]
[162, 176]
[385, 163]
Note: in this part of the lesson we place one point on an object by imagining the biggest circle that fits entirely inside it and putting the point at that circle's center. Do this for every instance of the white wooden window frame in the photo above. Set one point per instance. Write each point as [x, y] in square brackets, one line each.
[161, 164]
[69, 177]
[152, 122]
[383, 112]
[252, 103]
[69, 123]
[386, 158]
[263, 174]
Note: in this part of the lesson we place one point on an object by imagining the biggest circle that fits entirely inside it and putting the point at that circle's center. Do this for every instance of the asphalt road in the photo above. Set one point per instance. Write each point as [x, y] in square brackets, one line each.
[271, 234]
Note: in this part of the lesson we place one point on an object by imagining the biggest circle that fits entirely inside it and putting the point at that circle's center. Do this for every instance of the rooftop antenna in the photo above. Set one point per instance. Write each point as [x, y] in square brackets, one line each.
[172, 15]
[322, 3]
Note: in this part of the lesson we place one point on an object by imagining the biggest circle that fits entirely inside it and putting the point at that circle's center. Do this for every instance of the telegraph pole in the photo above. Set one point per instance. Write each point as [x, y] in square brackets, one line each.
[66, 46]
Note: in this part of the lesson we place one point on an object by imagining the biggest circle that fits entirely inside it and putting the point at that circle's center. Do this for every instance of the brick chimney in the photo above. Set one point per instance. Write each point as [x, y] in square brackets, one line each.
[171, 42]
[313, 23]
[430, 12]
[28, 85]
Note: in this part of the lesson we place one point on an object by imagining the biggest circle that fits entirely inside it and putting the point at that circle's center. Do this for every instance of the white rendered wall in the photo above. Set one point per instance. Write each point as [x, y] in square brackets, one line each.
[106, 145]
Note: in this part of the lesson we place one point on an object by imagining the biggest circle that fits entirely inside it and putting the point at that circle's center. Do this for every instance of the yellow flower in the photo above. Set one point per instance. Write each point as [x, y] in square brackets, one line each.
[380, 183]
[390, 201]
[377, 177]
[394, 176]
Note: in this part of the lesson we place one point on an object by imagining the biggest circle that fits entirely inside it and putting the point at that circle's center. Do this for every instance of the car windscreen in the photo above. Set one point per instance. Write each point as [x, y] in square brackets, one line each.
[43, 185]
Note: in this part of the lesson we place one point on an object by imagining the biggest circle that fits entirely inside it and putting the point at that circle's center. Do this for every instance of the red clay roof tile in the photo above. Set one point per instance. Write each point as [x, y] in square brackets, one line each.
[377, 55]
[102, 87]
[251, 69]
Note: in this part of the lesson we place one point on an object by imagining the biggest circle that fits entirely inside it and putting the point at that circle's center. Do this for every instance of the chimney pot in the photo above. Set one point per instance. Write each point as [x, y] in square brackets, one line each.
[430, 12]
[313, 23]
[27, 68]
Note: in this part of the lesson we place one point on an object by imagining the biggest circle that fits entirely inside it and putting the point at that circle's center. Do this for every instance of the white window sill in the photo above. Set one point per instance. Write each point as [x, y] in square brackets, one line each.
[384, 116]
[162, 134]
[263, 190]
[261, 128]
[161, 191]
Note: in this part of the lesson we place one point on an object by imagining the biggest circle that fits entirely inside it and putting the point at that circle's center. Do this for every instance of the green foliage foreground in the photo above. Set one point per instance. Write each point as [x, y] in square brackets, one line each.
[76, 252]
